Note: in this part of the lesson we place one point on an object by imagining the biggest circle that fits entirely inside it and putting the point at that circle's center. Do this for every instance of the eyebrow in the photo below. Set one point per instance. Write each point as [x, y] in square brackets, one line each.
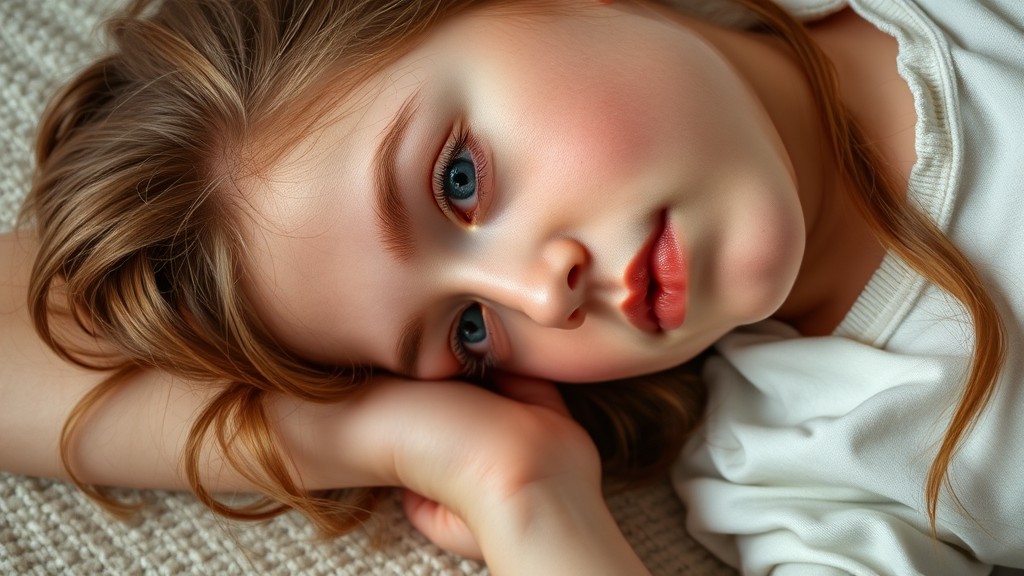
[394, 222]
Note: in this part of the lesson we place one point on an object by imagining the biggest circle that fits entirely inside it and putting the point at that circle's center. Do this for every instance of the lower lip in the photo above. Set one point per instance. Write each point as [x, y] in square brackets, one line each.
[668, 299]
[657, 283]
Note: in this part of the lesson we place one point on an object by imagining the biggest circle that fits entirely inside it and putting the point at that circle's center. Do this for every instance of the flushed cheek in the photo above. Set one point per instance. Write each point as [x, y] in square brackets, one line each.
[601, 129]
[566, 123]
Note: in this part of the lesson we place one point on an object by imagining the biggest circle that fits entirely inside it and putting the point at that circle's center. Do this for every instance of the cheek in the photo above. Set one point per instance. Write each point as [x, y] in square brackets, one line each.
[761, 257]
[575, 362]
[570, 120]
[594, 352]
[598, 131]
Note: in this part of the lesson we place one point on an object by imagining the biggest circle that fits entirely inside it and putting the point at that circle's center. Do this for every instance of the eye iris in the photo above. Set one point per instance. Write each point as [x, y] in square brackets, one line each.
[462, 179]
[471, 326]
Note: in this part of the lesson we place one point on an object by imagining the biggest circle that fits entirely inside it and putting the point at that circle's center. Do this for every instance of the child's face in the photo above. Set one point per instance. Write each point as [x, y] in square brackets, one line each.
[581, 130]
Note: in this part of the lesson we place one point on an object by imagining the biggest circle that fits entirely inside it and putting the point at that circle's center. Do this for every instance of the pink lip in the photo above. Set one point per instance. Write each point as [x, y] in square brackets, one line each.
[656, 279]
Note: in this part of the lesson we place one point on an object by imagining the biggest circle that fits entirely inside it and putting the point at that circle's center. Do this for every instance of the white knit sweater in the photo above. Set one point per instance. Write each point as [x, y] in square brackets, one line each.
[817, 449]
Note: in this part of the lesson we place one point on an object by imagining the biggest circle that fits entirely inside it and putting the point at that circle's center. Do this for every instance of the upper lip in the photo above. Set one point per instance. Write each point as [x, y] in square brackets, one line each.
[640, 283]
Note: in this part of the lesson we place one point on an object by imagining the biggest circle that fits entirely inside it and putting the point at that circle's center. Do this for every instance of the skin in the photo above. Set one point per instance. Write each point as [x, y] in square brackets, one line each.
[583, 149]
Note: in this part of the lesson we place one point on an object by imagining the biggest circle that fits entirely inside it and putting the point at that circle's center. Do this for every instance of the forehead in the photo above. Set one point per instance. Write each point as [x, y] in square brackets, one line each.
[313, 249]
[318, 273]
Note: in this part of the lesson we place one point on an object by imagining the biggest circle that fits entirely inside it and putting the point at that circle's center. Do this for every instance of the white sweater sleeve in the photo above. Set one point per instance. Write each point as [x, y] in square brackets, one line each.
[822, 474]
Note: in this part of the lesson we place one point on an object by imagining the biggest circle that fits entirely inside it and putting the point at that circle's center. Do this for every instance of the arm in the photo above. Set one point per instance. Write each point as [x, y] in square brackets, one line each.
[135, 437]
[525, 477]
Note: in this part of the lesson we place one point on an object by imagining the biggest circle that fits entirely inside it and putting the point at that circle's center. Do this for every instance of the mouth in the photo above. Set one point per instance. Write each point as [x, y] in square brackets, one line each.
[656, 279]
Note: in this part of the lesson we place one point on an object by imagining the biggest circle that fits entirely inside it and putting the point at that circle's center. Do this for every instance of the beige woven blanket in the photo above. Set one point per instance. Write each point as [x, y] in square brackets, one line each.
[47, 527]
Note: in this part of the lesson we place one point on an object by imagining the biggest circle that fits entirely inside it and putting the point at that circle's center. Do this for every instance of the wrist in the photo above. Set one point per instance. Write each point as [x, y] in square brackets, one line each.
[326, 445]
[553, 528]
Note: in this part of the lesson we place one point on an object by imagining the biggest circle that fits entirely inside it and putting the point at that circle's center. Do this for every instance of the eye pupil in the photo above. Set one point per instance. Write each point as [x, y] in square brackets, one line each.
[471, 326]
[462, 179]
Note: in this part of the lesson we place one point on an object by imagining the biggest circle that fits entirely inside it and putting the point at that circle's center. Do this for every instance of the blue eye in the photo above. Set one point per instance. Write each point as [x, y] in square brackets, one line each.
[471, 329]
[460, 178]
[470, 342]
[457, 176]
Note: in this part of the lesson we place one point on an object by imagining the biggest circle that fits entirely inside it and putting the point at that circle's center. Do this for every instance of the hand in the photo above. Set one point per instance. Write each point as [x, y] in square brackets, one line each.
[525, 491]
[440, 524]
[448, 441]
[522, 477]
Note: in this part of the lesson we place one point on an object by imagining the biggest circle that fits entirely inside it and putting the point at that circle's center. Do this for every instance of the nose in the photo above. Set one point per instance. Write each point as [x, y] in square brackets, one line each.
[561, 284]
[550, 287]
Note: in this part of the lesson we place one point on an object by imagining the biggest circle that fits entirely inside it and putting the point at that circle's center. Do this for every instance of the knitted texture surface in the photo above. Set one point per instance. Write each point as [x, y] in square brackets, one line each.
[48, 527]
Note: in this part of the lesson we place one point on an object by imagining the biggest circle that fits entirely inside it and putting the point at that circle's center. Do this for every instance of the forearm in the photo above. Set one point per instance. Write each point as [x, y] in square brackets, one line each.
[136, 436]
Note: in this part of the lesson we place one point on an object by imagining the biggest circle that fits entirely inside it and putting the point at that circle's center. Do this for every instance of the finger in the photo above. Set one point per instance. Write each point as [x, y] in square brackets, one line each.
[440, 525]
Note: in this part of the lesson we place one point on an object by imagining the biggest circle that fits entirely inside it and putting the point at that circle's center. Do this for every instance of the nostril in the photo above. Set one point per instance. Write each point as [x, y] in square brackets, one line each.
[574, 276]
[575, 315]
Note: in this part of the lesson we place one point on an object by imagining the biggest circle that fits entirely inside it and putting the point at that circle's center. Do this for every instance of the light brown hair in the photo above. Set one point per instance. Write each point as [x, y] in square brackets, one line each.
[137, 157]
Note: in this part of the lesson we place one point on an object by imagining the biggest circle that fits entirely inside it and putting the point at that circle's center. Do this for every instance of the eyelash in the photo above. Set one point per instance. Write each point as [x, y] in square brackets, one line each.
[470, 364]
[462, 141]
